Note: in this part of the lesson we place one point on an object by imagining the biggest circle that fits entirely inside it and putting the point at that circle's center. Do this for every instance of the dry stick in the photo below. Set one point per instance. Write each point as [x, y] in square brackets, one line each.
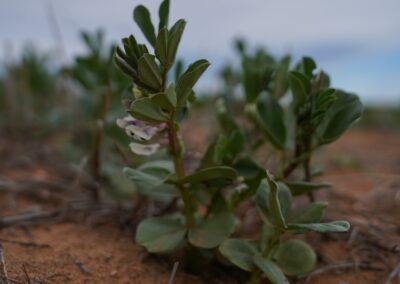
[31, 184]
[31, 217]
[83, 267]
[393, 274]
[342, 265]
[99, 139]
[28, 279]
[173, 273]
[24, 244]
[3, 265]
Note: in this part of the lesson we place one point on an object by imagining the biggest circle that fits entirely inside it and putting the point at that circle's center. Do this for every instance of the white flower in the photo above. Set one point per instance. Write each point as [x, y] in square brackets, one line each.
[144, 150]
[139, 130]
[140, 133]
[124, 122]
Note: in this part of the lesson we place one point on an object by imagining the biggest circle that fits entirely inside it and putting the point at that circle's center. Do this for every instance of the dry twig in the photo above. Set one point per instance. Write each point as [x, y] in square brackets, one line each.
[3, 266]
[342, 266]
[173, 273]
[25, 244]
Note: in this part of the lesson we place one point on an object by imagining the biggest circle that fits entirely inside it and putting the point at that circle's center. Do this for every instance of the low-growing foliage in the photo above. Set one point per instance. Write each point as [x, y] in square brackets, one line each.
[156, 109]
[201, 204]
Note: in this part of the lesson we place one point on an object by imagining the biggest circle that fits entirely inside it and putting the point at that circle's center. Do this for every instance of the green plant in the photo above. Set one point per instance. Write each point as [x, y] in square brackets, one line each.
[317, 115]
[30, 93]
[270, 255]
[199, 212]
[156, 109]
[99, 81]
[295, 123]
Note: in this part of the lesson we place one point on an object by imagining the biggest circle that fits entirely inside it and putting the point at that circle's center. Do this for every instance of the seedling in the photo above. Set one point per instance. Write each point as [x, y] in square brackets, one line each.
[156, 108]
[270, 255]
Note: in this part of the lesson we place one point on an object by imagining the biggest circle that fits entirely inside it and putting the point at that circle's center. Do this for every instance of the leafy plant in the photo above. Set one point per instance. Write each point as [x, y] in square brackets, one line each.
[156, 108]
[270, 255]
[295, 123]
[98, 81]
[30, 93]
[200, 205]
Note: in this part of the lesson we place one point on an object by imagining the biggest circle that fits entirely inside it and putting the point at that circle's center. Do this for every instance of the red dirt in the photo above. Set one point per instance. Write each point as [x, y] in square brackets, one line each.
[364, 167]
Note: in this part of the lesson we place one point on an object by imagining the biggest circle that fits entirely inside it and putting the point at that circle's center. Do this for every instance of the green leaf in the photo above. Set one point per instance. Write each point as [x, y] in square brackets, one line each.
[271, 118]
[149, 72]
[188, 80]
[267, 233]
[171, 95]
[161, 100]
[141, 176]
[281, 79]
[302, 187]
[239, 253]
[142, 18]
[274, 200]
[210, 174]
[174, 38]
[269, 204]
[161, 49]
[144, 109]
[257, 74]
[300, 86]
[128, 70]
[253, 174]
[311, 213]
[339, 117]
[149, 180]
[163, 14]
[161, 234]
[225, 119]
[295, 258]
[270, 269]
[212, 231]
[308, 66]
[336, 226]
[160, 167]
[285, 199]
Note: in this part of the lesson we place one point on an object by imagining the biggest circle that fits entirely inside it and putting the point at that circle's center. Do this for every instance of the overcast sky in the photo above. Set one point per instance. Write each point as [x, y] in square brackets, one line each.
[356, 41]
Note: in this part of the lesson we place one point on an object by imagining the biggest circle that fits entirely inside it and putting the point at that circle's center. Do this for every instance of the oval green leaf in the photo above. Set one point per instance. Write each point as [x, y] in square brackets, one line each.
[212, 231]
[270, 269]
[210, 174]
[161, 234]
[149, 72]
[295, 257]
[239, 252]
[271, 118]
[142, 18]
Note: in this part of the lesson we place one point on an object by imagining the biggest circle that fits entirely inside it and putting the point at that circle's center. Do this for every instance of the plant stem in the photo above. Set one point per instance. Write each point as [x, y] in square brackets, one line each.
[175, 148]
[99, 137]
[306, 167]
[256, 274]
[176, 153]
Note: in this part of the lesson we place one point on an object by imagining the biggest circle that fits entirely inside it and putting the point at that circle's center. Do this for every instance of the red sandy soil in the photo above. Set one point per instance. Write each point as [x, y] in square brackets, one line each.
[364, 167]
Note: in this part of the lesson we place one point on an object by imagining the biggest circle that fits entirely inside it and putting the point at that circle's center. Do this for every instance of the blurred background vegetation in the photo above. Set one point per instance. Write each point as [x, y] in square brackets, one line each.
[77, 104]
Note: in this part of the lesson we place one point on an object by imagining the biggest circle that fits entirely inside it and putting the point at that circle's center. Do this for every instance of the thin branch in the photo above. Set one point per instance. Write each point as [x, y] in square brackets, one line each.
[395, 273]
[3, 265]
[342, 266]
[173, 273]
[24, 244]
